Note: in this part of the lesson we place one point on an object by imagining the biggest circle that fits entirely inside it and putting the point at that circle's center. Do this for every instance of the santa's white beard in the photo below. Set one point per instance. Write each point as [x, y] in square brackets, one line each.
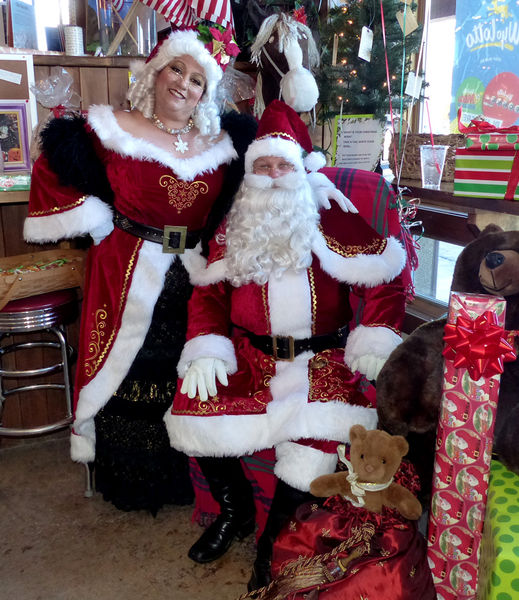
[270, 229]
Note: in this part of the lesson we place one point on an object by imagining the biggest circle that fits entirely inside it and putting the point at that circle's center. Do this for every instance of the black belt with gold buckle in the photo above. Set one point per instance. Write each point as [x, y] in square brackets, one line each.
[287, 348]
[174, 239]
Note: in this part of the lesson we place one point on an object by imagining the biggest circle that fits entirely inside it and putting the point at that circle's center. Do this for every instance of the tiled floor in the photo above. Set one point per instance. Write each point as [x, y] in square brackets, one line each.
[57, 545]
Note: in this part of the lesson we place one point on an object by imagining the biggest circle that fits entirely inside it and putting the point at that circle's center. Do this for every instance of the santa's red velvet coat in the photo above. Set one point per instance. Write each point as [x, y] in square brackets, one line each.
[297, 407]
[124, 274]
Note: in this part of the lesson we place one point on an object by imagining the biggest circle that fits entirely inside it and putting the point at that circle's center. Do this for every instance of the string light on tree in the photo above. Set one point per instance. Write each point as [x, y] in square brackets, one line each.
[358, 83]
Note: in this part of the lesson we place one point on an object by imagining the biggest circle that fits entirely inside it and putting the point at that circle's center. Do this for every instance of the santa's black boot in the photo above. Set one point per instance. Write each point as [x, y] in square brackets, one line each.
[284, 503]
[233, 492]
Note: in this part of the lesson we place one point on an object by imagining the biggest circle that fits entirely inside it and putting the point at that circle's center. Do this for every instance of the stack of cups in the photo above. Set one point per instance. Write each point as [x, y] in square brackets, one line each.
[73, 40]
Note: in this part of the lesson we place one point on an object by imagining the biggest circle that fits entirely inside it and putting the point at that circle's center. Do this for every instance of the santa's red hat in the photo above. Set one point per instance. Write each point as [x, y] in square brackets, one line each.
[281, 132]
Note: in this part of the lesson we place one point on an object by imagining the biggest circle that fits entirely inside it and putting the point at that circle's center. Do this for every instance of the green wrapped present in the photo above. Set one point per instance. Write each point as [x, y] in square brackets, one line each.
[499, 561]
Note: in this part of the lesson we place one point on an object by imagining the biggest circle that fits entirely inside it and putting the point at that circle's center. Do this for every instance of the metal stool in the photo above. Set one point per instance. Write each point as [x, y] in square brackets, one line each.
[46, 312]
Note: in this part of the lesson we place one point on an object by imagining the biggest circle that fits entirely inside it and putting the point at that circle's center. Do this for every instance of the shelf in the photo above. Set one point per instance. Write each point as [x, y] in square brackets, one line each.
[445, 199]
[18, 197]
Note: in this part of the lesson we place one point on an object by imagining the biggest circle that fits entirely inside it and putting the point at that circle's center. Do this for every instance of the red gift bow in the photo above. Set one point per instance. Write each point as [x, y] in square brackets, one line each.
[478, 126]
[478, 345]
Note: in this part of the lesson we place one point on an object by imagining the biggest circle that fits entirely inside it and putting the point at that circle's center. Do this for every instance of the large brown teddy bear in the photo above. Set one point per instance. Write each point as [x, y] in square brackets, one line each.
[374, 458]
[410, 383]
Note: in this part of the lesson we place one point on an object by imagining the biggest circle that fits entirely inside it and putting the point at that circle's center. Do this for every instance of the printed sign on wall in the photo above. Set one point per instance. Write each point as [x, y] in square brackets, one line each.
[486, 70]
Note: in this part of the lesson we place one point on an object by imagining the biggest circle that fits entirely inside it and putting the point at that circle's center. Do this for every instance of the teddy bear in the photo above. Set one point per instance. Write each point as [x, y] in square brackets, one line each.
[374, 459]
[409, 385]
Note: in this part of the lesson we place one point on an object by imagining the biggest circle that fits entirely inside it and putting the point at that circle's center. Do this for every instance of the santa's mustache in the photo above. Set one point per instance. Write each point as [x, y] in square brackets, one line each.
[290, 181]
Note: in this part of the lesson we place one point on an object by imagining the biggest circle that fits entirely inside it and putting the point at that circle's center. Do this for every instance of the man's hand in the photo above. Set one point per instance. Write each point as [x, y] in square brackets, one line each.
[325, 194]
[201, 377]
[369, 365]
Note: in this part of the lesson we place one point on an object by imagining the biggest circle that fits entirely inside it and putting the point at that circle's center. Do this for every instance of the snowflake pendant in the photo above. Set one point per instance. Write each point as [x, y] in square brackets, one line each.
[180, 145]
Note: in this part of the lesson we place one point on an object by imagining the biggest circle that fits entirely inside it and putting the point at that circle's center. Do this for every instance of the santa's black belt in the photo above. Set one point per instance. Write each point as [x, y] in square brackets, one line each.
[286, 348]
[174, 239]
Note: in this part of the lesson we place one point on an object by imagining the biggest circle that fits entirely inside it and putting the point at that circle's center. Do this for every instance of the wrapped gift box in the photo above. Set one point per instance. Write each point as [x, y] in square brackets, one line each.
[492, 141]
[464, 441]
[481, 135]
[499, 564]
[487, 174]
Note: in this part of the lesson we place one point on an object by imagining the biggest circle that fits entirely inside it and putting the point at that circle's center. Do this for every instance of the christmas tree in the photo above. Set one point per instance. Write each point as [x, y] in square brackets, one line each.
[352, 85]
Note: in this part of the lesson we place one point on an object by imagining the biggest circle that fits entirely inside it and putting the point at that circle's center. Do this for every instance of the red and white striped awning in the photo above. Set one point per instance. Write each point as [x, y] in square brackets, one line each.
[186, 12]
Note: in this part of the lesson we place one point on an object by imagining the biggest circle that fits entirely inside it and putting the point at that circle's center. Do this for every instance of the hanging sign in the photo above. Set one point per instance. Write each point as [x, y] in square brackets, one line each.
[357, 142]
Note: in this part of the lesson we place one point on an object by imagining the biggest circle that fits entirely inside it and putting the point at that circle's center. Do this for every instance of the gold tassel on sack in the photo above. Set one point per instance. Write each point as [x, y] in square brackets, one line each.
[305, 573]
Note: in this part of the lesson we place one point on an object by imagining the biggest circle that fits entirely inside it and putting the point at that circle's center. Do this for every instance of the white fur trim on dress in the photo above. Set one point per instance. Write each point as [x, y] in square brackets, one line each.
[299, 465]
[113, 137]
[289, 416]
[208, 346]
[91, 214]
[368, 270]
[147, 283]
[274, 146]
[379, 341]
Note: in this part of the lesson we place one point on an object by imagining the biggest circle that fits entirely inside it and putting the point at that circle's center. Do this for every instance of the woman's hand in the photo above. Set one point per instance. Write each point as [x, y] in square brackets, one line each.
[201, 377]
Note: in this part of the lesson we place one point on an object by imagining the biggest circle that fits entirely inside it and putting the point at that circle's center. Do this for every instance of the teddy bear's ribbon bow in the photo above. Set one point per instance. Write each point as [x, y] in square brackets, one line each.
[479, 345]
[359, 488]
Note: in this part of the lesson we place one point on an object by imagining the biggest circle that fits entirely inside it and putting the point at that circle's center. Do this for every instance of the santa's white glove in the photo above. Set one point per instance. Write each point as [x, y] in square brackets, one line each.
[201, 377]
[369, 365]
[323, 196]
[99, 233]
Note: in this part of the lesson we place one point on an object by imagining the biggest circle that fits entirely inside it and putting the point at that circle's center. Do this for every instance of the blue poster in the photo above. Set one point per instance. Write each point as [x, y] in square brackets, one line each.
[486, 63]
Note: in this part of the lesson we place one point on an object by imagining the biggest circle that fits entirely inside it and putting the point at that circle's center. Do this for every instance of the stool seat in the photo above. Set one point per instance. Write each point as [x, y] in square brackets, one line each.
[39, 312]
[41, 301]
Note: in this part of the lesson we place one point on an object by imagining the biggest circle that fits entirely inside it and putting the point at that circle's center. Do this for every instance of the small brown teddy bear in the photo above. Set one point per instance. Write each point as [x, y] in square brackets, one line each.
[375, 457]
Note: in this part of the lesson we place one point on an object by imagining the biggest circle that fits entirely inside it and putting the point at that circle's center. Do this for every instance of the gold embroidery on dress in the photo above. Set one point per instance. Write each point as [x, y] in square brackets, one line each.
[314, 299]
[376, 246]
[92, 363]
[182, 194]
[96, 337]
[265, 306]
[56, 209]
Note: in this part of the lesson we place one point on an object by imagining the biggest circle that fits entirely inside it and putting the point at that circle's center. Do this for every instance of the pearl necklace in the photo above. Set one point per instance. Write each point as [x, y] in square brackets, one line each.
[180, 145]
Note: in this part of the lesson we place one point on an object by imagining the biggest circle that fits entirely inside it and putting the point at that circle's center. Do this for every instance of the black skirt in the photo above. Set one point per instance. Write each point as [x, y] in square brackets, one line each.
[135, 466]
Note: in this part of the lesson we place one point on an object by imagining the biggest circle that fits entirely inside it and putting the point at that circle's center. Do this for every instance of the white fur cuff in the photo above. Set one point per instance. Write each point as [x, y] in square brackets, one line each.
[378, 341]
[91, 214]
[299, 465]
[82, 448]
[208, 346]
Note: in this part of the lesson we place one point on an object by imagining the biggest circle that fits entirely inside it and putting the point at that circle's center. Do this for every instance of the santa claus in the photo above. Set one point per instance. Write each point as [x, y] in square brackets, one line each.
[270, 361]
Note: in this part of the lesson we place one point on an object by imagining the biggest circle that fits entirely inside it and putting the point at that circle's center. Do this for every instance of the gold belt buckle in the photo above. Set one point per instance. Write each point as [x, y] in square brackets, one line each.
[291, 348]
[166, 238]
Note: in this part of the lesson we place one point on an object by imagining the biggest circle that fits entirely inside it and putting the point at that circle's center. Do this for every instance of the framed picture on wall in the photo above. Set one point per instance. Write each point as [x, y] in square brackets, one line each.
[14, 135]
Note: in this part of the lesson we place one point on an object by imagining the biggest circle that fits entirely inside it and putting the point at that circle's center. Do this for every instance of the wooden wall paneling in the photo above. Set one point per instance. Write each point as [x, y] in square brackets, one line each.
[75, 73]
[13, 217]
[94, 86]
[33, 404]
[117, 88]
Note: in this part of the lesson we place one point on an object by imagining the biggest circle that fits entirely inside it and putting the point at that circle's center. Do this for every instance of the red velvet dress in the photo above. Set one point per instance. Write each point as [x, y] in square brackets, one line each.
[380, 555]
[130, 285]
